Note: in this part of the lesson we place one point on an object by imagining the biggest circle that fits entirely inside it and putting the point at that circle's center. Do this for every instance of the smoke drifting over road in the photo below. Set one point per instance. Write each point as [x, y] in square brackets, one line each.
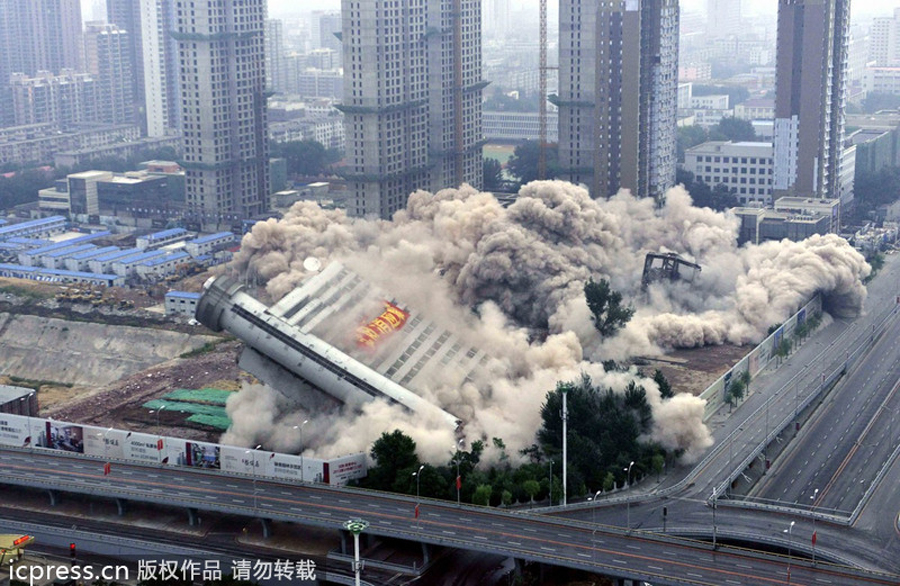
[523, 268]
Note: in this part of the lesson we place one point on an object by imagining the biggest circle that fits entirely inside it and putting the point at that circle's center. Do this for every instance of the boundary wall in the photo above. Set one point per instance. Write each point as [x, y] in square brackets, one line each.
[120, 445]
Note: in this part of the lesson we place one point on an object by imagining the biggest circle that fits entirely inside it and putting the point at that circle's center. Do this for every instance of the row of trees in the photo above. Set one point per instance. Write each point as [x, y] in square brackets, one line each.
[606, 431]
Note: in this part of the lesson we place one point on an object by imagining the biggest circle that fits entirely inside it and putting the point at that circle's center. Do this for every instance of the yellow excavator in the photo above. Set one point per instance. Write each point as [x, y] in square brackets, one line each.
[12, 547]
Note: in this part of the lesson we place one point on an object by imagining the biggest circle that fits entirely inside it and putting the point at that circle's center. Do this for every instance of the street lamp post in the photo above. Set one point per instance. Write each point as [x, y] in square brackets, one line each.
[628, 484]
[715, 504]
[565, 421]
[302, 464]
[594, 523]
[813, 498]
[790, 532]
[418, 475]
[253, 464]
[356, 526]
[458, 447]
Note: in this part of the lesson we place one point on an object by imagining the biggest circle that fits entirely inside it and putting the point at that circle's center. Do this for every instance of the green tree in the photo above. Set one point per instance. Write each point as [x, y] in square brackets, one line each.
[605, 430]
[689, 137]
[876, 101]
[493, 174]
[394, 454]
[304, 157]
[506, 498]
[733, 129]
[607, 311]
[531, 488]
[657, 463]
[875, 189]
[735, 392]
[609, 481]
[482, 495]
[523, 164]
[665, 389]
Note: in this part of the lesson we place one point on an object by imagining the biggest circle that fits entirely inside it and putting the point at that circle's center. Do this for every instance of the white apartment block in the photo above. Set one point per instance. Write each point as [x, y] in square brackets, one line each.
[221, 45]
[711, 102]
[746, 167]
[518, 126]
[618, 90]
[407, 63]
[884, 40]
[755, 109]
[881, 80]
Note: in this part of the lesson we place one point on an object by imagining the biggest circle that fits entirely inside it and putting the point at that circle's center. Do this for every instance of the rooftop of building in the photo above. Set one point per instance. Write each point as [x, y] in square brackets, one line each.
[9, 393]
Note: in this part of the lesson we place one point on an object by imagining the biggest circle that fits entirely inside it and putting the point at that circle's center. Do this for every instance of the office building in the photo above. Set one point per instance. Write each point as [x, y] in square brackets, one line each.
[106, 52]
[618, 79]
[37, 35]
[745, 168]
[723, 18]
[406, 127]
[810, 93]
[221, 46]
[884, 40]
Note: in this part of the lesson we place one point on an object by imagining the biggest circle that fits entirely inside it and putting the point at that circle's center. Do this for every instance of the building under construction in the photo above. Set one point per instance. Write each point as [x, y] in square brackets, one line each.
[413, 117]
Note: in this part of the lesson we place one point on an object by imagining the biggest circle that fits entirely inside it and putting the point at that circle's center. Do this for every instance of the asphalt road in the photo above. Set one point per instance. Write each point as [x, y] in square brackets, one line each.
[556, 541]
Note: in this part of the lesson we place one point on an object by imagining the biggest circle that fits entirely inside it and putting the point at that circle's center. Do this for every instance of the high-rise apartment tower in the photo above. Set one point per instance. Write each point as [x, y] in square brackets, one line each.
[221, 46]
[810, 92]
[108, 58]
[412, 99]
[618, 83]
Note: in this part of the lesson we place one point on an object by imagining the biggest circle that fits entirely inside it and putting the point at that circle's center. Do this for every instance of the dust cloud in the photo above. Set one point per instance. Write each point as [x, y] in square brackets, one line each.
[511, 280]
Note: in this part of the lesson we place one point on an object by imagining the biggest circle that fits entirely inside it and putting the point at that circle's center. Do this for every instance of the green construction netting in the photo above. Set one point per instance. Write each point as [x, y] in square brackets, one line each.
[208, 396]
[218, 421]
[183, 407]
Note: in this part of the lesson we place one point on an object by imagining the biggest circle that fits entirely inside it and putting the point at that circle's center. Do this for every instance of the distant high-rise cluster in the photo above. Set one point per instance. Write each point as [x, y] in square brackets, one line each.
[221, 48]
[618, 81]
[810, 94]
[153, 54]
[37, 36]
[723, 18]
[412, 99]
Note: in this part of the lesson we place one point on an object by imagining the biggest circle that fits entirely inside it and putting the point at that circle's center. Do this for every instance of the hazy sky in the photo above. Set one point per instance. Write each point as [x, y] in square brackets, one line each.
[279, 7]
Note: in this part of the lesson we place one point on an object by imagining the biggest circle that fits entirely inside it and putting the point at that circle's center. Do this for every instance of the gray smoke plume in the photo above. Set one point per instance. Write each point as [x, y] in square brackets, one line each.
[523, 270]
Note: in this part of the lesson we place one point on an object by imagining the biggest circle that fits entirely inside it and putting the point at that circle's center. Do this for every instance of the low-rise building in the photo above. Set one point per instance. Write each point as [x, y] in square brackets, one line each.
[59, 276]
[811, 207]
[209, 243]
[519, 126]
[40, 228]
[746, 167]
[162, 266]
[181, 303]
[755, 109]
[163, 238]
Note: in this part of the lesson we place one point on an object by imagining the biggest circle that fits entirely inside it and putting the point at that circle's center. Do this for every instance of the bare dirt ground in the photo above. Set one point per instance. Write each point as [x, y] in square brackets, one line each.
[119, 404]
[693, 370]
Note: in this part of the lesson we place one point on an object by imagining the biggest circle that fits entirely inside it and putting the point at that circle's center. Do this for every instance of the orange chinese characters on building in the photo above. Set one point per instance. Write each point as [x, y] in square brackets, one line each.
[392, 319]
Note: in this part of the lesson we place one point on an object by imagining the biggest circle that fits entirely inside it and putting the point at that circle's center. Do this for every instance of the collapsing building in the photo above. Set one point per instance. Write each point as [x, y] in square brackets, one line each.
[667, 266]
[339, 334]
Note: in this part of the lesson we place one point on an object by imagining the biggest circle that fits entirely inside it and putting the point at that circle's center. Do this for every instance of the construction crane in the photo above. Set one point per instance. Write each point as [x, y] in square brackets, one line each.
[542, 98]
[458, 91]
